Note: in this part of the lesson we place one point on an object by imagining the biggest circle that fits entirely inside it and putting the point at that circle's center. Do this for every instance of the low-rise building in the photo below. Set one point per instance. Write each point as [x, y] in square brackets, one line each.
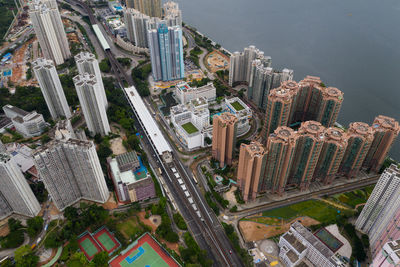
[238, 108]
[192, 122]
[299, 244]
[131, 180]
[29, 124]
[116, 26]
[184, 93]
[389, 256]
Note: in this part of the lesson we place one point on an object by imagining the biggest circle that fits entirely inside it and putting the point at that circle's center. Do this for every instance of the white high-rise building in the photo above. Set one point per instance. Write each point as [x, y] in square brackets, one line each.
[87, 63]
[46, 21]
[91, 100]
[241, 64]
[51, 88]
[380, 217]
[136, 27]
[172, 14]
[15, 194]
[70, 170]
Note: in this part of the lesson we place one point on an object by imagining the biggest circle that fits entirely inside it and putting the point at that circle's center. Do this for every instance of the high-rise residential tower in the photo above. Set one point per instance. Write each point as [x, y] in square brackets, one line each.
[331, 155]
[224, 138]
[241, 64]
[251, 169]
[136, 27]
[51, 88]
[329, 106]
[46, 21]
[15, 194]
[91, 100]
[263, 79]
[151, 8]
[380, 217]
[172, 14]
[360, 139]
[310, 141]
[2, 147]
[386, 131]
[70, 170]
[166, 52]
[280, 152]
[87, 63]
[279, 105]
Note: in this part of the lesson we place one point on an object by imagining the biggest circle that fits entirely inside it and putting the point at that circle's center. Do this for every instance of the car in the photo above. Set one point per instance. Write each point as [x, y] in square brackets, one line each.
[230, 251]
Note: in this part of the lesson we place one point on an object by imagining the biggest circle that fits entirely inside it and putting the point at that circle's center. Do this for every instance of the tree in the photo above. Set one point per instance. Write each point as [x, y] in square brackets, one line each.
[24, 257]
[208, 140]
[14, 224]
[34, 226]
[101, 259]
[105, 65]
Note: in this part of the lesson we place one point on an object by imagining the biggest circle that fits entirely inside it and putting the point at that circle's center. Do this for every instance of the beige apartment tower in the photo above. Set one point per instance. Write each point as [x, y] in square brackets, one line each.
[280, 152]
[224, 138]
[151, 8]
[251, 169]
[386, 131]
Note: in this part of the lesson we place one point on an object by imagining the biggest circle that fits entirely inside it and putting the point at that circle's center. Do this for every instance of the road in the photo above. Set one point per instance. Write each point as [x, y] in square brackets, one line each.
[21, 38]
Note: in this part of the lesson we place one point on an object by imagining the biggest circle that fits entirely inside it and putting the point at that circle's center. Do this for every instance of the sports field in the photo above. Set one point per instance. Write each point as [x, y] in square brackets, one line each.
[145, 252]
[106, 240]
[88, 246]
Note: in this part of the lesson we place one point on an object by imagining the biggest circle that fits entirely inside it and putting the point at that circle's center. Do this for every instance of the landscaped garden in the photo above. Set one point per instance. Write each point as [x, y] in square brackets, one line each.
[237, 106]
[354, 198]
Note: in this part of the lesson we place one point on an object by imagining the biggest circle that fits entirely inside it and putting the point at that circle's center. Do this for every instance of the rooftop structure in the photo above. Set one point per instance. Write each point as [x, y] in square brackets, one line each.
[184, 93]
[299, 244]
[22, 157]
[147, 120]
[131, 179]
[172, 14]
[389, 256]
[115, 25]
[29, 124]
[103, 42]
[238, 108]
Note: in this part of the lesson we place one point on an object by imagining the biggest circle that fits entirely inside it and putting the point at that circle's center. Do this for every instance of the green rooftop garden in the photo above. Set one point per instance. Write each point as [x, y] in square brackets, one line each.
[236, 105]
[189, 128]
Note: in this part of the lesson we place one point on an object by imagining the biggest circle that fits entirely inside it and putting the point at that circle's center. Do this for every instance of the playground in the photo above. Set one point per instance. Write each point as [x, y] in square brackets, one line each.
[101, 240]
[88, 246]
[217, 61]
[145, 251]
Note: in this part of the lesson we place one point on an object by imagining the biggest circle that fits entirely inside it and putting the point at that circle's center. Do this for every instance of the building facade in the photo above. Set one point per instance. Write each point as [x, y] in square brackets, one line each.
[184, 93]
[172, 14]
[15, 194]
[386, 131]
[51, 88]
[251, 167]
[360, 137]
[224, 138]
[49, 29]
[380, 217]
[29, 124]
[87, 63]
[151, 8]
[389, 255]
[331, 155]
[131, 183]
[92, 103]
[166, 52]
[71, 171]
[136, 26]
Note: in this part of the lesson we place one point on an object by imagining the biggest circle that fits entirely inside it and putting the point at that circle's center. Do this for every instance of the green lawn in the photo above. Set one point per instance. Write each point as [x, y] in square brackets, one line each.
[353, 198]
[189, 128]
[129, 227]
[236, 105]
[315, 209]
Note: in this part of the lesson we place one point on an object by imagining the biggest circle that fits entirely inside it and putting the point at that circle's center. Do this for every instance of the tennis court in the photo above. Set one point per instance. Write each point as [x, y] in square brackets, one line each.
[144, 252]
[106, 240]
[328, 239]
[88, 246]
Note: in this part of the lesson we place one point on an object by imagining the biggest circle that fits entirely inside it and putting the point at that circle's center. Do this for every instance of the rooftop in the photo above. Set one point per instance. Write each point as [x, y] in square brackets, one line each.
[189, 128]
[16, 110]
